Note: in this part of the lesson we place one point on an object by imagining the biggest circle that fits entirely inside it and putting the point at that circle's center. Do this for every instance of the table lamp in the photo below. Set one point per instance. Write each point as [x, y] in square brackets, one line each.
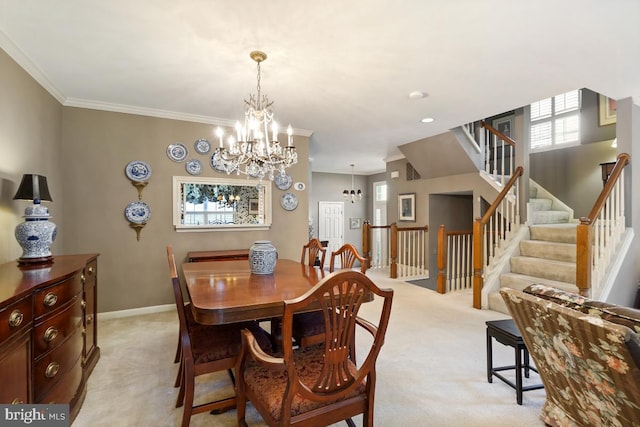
[36, 234]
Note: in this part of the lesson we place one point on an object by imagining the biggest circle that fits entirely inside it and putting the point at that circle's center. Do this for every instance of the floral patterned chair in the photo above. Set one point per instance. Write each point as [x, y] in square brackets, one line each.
[587, 353]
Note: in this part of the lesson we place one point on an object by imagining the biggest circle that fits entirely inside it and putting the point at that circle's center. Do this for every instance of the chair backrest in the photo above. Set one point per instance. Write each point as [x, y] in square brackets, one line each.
[582, 358]
[339, 297]
[348, 255]
[314, 250]
[177, 292]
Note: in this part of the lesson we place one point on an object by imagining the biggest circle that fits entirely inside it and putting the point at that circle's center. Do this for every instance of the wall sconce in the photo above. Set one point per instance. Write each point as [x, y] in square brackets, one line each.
[36, 234]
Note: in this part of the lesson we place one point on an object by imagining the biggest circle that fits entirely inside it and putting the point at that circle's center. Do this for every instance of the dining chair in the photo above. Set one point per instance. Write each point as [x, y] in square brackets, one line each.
[206, 349]
[308, 328]
[317, 385]
[348, 255]
[314, 250]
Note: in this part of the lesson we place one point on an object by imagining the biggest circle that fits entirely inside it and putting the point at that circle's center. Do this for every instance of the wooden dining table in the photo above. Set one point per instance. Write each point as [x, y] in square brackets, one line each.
[226, 292]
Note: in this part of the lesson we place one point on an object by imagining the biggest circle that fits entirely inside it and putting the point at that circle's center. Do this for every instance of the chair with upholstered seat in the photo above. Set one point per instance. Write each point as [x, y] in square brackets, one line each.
[317, 385]
[205, 349]
[308, 328]
[314, 250]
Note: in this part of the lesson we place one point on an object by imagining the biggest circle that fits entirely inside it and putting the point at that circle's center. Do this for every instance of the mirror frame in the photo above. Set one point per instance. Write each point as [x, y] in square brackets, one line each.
[264, 201]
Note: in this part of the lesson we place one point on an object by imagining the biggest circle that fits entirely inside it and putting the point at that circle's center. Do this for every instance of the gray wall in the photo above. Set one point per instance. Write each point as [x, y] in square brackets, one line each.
[328, 187]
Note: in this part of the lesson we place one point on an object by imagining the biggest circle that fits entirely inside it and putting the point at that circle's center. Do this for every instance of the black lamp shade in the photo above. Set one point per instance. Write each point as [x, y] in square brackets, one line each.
[33, 187]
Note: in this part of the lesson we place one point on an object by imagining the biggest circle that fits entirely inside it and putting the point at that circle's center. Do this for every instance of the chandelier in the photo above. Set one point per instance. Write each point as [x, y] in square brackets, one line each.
[251, 152]
[354, 195]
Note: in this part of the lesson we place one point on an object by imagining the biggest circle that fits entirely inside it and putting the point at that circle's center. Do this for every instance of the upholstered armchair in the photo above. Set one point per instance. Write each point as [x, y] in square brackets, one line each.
[587, 353]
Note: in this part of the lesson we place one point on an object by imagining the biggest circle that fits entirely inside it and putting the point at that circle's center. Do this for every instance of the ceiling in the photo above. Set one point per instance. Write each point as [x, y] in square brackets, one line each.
[340, 71]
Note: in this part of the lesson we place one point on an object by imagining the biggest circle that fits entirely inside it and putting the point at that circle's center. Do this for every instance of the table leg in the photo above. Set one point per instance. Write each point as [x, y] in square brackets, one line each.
[518, 375]
[489, 358]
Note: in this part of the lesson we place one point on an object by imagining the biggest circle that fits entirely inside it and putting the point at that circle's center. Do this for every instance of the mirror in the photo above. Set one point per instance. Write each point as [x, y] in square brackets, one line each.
[202, 204]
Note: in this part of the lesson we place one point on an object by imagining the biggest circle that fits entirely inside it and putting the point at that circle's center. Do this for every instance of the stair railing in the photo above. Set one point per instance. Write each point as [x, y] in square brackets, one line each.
[499, 154]
[402, 249]
[455, 254]
[599, 233]
[492, 232]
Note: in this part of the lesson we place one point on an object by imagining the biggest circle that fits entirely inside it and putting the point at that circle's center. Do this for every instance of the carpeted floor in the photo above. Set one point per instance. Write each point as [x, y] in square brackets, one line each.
[431, 370]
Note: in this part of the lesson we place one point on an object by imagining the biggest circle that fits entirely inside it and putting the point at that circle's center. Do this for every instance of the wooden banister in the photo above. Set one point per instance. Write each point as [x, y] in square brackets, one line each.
[499, 134]
[585, 229]
[479, 237]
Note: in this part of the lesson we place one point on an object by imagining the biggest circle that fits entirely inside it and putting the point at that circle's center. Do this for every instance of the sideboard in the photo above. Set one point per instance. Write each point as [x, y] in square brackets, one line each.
[48, 330]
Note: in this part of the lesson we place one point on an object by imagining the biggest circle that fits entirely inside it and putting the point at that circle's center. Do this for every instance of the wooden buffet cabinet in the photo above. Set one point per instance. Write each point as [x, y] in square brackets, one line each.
[48, 330]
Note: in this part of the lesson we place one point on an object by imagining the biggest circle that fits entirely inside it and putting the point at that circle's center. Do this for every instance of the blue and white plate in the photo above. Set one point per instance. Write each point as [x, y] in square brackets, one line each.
[283, 182]
[137, 212]
[194, 167]
[177, 152]
[138, 170]
[202, 146]
[289, 201]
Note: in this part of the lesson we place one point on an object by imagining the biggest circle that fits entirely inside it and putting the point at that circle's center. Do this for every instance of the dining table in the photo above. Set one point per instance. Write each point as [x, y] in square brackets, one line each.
[223, 292]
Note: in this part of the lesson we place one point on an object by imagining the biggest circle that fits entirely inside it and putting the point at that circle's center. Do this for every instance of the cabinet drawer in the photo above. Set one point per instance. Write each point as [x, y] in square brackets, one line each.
[15, 369]
[15, 317]
[53, 366]
[51, 298]
[57, 327]
[65, 390]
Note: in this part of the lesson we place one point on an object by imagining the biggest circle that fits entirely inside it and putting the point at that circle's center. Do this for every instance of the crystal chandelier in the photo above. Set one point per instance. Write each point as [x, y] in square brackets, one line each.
[354, 195]
[251, 152]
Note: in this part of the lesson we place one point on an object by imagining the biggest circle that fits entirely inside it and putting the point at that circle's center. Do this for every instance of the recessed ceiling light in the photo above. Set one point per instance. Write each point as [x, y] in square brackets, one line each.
[427, 120]
[416, 94]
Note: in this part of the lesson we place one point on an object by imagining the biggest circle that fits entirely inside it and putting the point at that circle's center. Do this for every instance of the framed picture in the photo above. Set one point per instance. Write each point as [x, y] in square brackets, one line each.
[407, 207]
[606, 111]
[355, 222]
[254, 208]
[504, 125]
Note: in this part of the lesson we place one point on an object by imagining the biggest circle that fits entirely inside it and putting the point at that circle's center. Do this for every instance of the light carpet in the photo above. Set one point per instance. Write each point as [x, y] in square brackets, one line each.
[431, 370]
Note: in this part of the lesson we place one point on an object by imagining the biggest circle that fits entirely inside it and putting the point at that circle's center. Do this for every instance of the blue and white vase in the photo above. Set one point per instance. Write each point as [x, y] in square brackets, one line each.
[262, 257]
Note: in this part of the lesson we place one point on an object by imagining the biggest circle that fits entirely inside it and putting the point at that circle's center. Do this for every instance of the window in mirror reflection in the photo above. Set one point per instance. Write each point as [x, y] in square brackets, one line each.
[216, 203]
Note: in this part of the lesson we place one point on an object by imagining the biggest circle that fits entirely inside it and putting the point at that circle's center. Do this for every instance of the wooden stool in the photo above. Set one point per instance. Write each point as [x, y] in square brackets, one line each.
[506, 332]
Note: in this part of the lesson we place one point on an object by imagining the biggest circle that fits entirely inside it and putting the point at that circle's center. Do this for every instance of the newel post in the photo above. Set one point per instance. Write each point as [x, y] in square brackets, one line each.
[442, 259]
[583, 256]
[366, 242]
[478, 256]
[393, 273]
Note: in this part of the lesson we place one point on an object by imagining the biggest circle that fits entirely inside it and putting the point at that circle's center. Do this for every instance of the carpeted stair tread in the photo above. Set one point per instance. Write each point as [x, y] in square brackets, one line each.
[549, 217]
[549, 250]
[521, 281]
[540, 204]
[561, 271]
[563, 233]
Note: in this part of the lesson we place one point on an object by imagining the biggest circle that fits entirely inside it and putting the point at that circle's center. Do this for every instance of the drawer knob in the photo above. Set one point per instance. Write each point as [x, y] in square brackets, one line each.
[83, 279]
[52, 370]
[50, 299]
[17, 401]
[83, 304]
[50, 334]
[92, 270]
[15, 319]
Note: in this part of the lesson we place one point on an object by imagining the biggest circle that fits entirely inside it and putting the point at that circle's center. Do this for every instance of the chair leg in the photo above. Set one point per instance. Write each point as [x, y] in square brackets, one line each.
[232, 376]
[178, 381]
[180, 398]
[350, 422]
[178, 352]
[189, 391]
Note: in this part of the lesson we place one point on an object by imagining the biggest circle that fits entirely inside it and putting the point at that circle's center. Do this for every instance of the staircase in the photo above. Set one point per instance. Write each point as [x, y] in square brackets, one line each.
[547, 257]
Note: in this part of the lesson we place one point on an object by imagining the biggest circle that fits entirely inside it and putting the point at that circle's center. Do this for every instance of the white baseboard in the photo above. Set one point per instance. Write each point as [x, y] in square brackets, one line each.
[135, 311]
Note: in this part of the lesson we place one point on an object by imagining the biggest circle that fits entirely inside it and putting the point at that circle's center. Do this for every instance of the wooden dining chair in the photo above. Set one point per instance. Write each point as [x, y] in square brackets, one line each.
[317, 385]
[314, 250]
[206, 349]
[308, 328]
[348, 255]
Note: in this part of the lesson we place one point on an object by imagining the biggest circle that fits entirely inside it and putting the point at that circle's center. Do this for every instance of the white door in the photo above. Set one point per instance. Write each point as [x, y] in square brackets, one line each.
[331, 225]
[379, 254]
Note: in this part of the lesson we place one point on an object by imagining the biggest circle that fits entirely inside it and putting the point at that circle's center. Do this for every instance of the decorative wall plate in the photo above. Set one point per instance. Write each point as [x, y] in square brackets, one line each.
[194, 167]
[137, 212]
[138, 170]
[216, 163]
[202, 146]
[283, 182]
[177, 152]
[299, 186]
[289, 201]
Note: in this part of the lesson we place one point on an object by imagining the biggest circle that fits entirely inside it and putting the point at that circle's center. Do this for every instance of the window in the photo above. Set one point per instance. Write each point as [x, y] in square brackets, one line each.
[555, 122]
